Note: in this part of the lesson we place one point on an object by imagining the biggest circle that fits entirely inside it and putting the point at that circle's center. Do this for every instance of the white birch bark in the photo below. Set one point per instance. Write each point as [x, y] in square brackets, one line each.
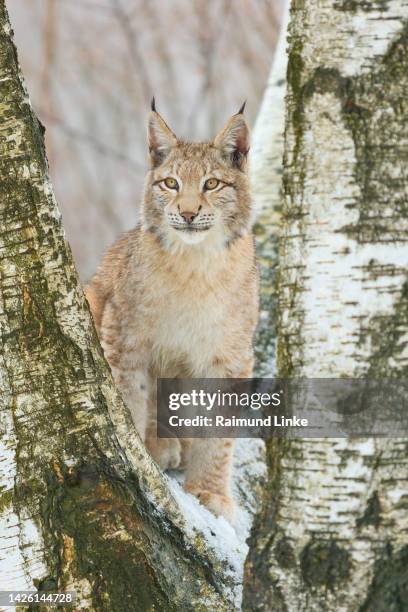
[82, 505]
[267, 135]
[266, 184]
[333, 532]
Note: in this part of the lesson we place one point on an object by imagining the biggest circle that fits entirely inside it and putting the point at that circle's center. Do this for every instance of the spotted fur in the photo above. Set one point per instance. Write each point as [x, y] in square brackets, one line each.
[178, 295]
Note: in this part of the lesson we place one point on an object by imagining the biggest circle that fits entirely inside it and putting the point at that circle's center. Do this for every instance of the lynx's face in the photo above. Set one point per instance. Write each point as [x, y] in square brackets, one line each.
[197, 193]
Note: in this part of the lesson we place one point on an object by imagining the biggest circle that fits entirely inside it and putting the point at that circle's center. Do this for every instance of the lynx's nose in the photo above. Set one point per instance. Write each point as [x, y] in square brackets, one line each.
[188, 216]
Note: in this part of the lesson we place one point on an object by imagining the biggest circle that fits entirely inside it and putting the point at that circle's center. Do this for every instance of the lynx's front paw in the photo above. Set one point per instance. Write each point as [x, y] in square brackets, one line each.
[165, 451]
[220, 505]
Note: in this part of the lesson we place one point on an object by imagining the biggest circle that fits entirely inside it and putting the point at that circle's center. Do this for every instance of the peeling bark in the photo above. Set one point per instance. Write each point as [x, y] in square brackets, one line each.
[82, 505]
[332, 534]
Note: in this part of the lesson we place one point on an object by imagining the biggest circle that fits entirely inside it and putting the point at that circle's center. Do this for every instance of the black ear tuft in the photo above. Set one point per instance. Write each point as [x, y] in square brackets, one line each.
[241, 110]
[160, 137]
[233, 140]
[153, 105]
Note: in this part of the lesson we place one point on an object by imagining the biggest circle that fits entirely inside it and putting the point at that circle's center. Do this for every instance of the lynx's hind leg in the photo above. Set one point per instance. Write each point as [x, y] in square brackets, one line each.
[128, 370]
[96, 301]
[165, 451]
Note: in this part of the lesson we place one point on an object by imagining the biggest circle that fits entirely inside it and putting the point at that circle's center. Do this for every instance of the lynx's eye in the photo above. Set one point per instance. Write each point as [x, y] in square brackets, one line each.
[171, 183]
[211, 184]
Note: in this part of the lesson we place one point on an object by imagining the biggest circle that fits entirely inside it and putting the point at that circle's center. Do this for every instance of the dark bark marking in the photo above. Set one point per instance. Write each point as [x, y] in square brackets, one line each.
[388, 591]
[372, 513]
[324, 563]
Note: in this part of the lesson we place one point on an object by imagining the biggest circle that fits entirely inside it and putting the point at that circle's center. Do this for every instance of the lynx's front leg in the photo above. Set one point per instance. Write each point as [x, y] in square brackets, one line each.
[125, 357]
[209, 473]
[209, 460]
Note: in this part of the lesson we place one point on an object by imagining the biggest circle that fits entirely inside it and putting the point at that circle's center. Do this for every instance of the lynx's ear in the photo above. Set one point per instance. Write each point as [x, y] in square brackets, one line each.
[161, 138]
[233, 139]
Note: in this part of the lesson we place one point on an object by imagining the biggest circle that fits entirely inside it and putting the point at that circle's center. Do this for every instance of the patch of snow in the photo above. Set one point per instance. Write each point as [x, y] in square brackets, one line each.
[228, 542]
[248, 479]
[220, 535]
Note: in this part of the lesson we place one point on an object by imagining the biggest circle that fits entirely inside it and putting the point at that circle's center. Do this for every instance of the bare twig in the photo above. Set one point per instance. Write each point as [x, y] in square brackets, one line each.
[134, 52]
[96, 144]
[49, 38]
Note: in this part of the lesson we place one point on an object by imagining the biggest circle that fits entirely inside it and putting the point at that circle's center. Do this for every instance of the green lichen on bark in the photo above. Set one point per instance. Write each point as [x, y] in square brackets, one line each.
[265, 542]
[293, 165]
[267, 254]
[388, 591]
[386, 335]
[84, 507]
[367, 6]
[375, 110]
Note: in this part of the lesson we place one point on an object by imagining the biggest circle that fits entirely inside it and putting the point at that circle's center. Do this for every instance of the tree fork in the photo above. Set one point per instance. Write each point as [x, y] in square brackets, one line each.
[82, 505]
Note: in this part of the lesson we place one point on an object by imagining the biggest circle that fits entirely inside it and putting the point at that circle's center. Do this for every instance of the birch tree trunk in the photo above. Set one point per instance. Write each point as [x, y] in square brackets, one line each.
[333, 532]
[82, 506]
[266, 182]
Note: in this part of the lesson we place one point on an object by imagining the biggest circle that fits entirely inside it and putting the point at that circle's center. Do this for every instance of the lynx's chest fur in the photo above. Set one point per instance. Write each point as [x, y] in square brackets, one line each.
[189, 338]
[191, 302]
[190, 321]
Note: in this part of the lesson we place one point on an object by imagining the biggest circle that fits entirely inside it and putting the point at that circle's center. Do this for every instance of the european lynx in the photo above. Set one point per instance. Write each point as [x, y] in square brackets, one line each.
[178, 296]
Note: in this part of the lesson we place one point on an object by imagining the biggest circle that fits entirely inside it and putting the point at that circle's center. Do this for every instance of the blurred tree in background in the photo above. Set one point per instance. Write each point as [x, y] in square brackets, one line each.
[92, 66]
